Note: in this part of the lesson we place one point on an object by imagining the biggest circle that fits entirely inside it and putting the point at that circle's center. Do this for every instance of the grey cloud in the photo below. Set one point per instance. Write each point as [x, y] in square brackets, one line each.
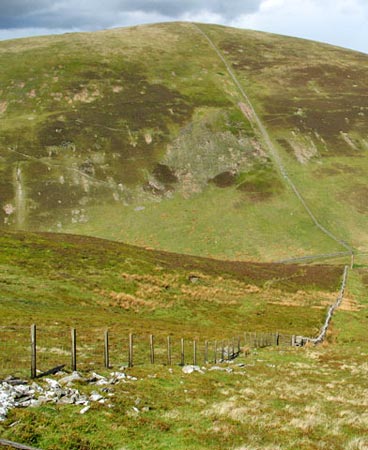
[10, 8]
[14, 13]
[176, 8]
[99, 14]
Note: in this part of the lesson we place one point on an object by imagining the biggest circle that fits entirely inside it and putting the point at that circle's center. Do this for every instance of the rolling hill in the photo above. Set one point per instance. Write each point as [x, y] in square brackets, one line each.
[178, 137]
[181, 139]
[67, 279]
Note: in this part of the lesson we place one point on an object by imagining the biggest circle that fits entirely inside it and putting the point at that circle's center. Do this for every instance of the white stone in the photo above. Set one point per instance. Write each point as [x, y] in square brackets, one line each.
[84, 410]
[52, 383]
[70, 378]
[95, 397]
[118, 375]
[191, 369]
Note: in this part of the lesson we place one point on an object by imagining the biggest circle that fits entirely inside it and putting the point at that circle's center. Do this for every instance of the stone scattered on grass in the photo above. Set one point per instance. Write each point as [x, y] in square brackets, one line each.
[75, 376]
[17, 393]
[224, 369]
[191, 369]
[84, 410]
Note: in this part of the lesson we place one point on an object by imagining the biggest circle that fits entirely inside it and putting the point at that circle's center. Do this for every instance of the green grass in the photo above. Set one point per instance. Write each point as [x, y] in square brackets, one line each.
[309, 96]
[59, 281]
[63, 281]
[108, 131]
[221, 222]
[300, 392]
[49, 273]
[153, 151]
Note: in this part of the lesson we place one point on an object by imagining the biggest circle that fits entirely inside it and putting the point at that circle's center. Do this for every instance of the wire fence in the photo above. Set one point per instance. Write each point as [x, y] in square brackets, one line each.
[34, 351]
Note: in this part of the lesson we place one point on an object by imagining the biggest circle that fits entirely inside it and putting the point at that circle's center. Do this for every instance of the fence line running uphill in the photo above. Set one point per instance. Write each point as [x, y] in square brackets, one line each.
[50, 348]
[322, 335]
[45, 349]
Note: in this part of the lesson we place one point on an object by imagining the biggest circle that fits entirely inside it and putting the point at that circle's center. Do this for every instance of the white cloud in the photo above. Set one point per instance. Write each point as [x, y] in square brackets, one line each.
[339, 22]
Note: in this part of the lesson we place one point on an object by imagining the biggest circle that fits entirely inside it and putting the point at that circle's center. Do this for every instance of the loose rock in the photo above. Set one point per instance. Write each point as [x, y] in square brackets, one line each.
[191, 369]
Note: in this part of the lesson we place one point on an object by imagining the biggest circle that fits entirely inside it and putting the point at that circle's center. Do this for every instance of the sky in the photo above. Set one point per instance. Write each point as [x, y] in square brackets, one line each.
[339, 22]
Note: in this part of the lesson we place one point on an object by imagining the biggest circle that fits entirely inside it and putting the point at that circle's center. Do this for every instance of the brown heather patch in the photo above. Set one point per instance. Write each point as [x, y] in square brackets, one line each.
[336, 169]
[212, 294]
[364, 277]
[215, 290]
[85, 96]
[163, 280]
[224, 179]
[300, 298]
[326, 85]
[3, 107]
[251, 289]
[350, 304]
[149, 291]
[130, 302]
[358, 197]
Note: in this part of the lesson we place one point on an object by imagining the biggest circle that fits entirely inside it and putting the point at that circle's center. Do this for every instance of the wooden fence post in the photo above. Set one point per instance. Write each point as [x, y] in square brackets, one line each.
[74, 349]
[222, 350]
[33, 351]
[277, 338]
[194, 352]
[215, 353]
[130, 350]
[106, 349]
[152, 349]
[293, 340]
[182, 352]
[169, 350]
[206, 352]
[239, 345]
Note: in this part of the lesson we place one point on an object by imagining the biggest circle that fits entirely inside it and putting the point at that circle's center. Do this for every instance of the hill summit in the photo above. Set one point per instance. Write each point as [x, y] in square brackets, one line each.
[186, 137]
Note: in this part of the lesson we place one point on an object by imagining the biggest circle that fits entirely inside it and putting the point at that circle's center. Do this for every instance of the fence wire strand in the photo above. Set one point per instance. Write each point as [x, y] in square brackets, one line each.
[96, 350]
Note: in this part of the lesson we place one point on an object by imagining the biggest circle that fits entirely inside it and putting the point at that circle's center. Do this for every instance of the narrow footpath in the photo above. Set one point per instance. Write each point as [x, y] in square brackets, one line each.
[271, 148]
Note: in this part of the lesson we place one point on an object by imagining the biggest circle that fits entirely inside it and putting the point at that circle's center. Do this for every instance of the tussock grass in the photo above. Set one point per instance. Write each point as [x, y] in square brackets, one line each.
[287, 398]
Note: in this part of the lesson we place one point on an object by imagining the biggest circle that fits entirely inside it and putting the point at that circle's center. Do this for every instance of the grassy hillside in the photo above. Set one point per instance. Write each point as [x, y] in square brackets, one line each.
[136, 135]
[312, 99]
[315, 395]
[80, 280]
[62, 281]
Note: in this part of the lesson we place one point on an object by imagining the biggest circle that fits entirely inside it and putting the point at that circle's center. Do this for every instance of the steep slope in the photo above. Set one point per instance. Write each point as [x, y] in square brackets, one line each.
[312, 99]
[137, 135]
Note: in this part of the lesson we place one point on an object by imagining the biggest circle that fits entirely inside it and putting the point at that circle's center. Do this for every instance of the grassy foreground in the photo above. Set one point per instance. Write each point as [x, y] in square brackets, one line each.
[311, 398]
